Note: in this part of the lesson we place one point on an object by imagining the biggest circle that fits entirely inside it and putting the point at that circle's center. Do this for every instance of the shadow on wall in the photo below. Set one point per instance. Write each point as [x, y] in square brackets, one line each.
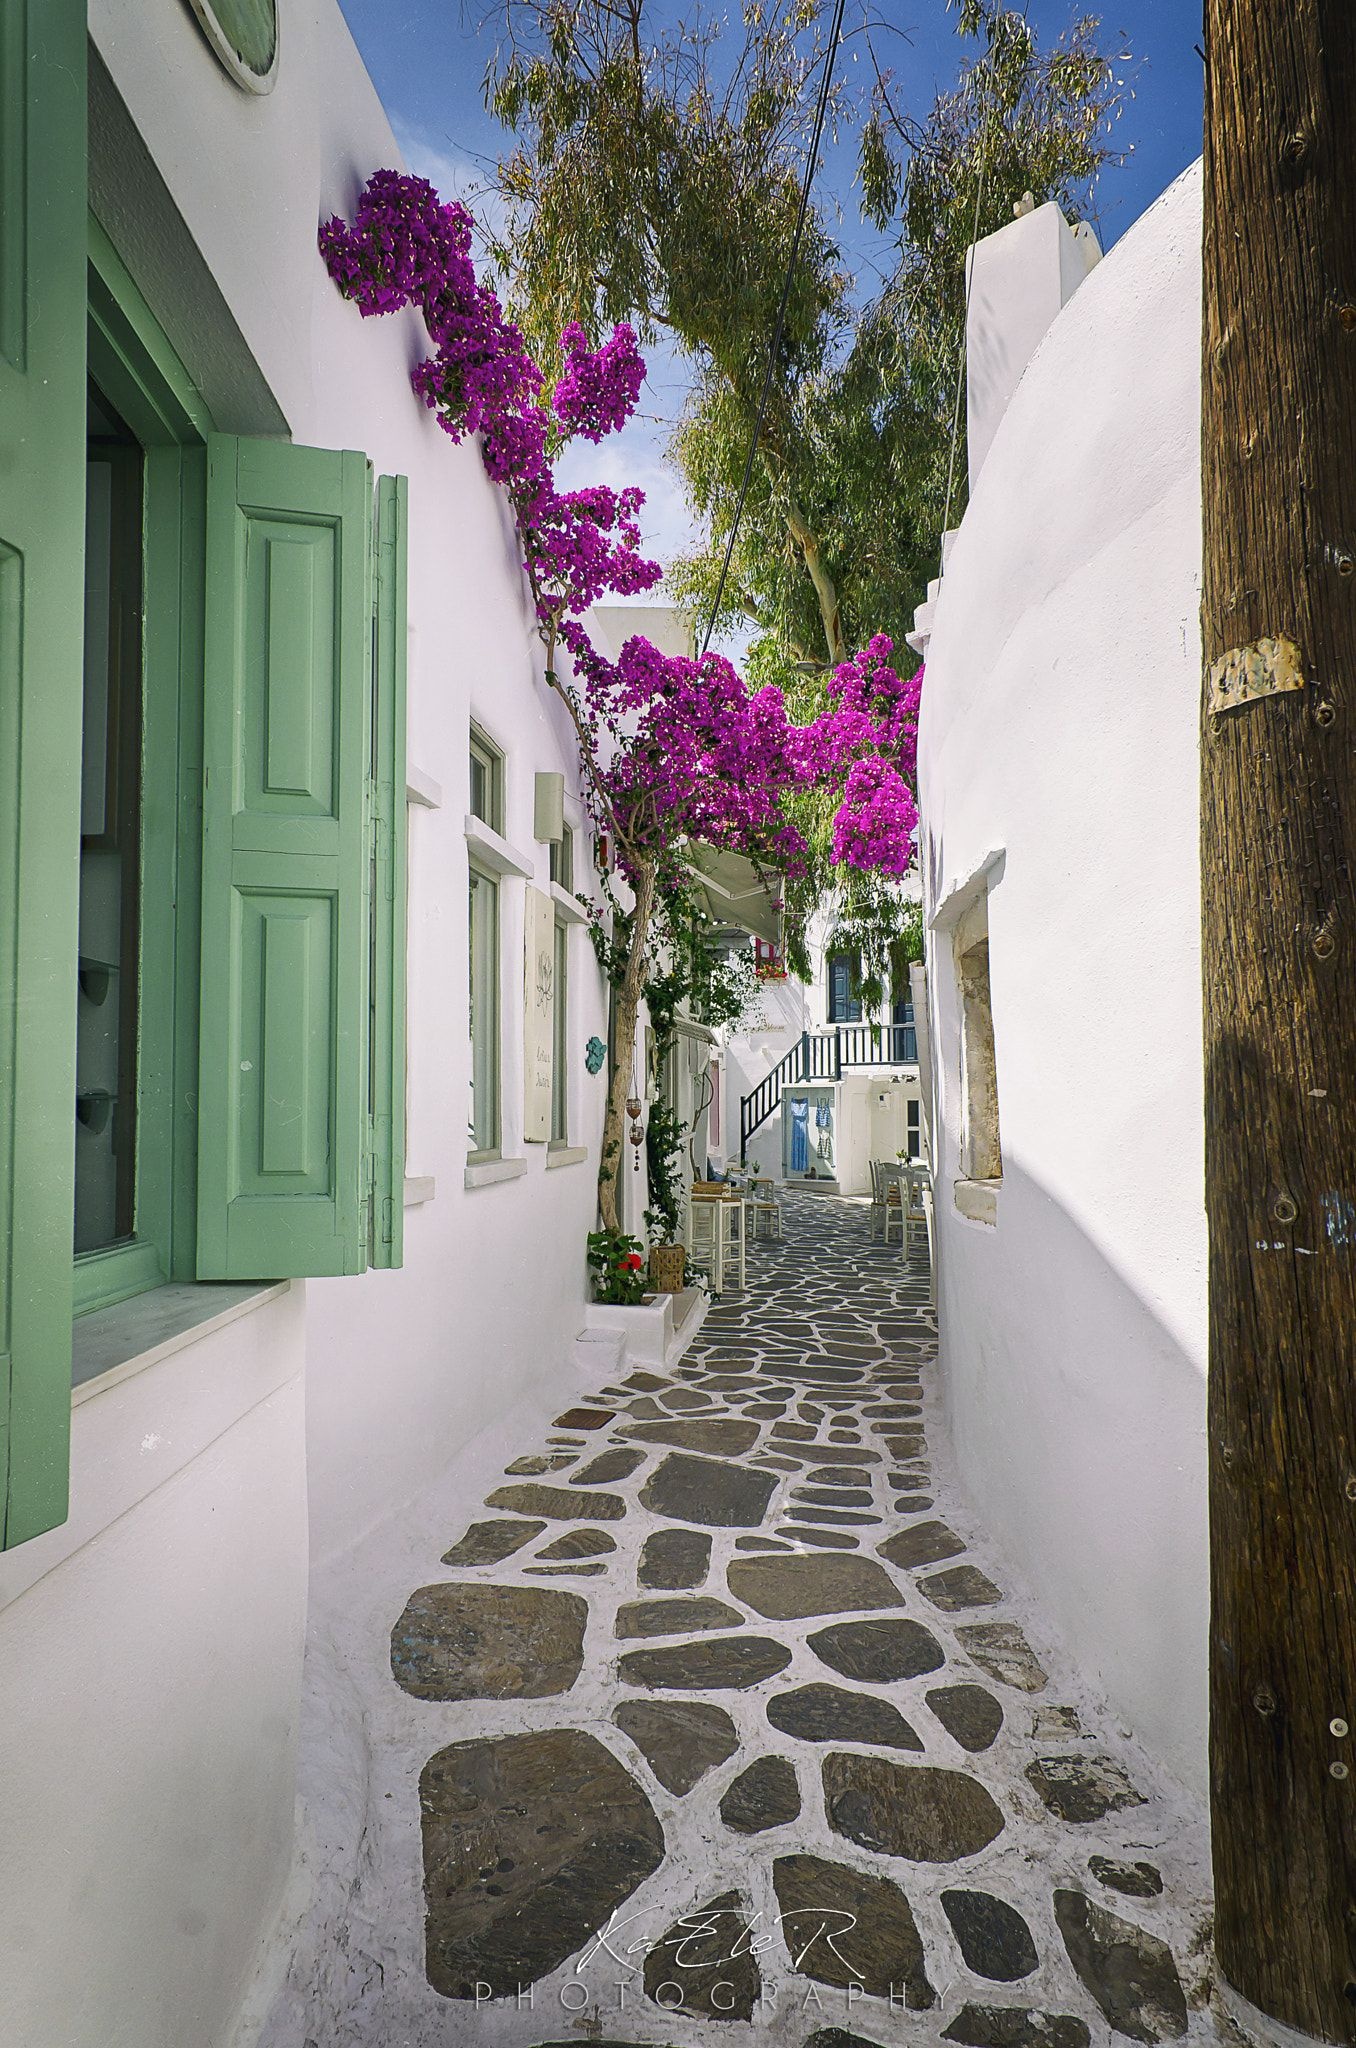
[1078, 1418]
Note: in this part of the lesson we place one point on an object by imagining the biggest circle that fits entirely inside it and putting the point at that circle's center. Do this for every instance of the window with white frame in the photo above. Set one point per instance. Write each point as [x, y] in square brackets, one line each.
[487, 782]
[482, 1127]
[562, 859]
[981, 1155]
[560, 1068]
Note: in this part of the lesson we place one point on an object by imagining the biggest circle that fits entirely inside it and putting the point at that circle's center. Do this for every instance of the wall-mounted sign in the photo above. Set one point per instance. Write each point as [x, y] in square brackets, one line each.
[244, 34]
[539, 1031]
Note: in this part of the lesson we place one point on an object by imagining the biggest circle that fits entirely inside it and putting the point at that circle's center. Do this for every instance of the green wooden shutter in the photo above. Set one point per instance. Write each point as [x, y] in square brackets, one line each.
[42, 552]
[388, 875]
[283, 1063]
[387, 871]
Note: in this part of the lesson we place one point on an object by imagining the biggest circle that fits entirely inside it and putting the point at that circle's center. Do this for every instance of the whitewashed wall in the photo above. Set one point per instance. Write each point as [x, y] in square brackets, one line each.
[150, 1654]
[397, 1382]
[1059, 749]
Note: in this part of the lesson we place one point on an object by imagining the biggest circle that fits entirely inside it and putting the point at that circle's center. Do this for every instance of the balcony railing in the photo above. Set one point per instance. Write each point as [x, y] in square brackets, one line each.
[826, 1056]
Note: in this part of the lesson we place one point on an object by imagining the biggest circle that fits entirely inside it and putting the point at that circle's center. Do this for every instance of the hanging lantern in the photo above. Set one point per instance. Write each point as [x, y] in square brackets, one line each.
[633, 1107]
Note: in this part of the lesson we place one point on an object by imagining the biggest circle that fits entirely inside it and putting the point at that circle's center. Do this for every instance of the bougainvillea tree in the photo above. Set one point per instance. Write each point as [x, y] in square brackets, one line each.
[676, 753]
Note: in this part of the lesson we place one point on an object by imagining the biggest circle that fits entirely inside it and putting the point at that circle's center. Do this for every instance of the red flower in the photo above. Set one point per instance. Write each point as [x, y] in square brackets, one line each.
[633, 1262]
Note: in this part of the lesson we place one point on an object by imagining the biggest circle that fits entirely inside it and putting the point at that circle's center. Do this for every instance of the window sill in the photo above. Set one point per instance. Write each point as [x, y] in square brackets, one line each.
[421, 789]
[105, 1279]
[978, 1199]
[482, 1173]
[489, 849]
[419, 1188]
[172, 1380]
[109, 1344]
[566, 1155]
[568, 907]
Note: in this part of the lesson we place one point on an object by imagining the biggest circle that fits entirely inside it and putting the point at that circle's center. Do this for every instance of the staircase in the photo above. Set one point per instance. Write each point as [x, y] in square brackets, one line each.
[825, 1056]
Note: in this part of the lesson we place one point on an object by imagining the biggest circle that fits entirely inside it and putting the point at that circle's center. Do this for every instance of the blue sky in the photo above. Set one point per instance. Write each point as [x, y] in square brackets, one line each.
[428, 59]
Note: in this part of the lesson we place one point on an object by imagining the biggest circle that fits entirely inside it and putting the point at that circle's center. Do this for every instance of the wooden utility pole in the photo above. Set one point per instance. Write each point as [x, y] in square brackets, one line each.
[1278, 845]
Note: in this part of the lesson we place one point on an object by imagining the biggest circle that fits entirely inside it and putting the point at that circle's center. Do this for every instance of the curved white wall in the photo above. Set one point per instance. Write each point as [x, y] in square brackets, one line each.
[1059, 734]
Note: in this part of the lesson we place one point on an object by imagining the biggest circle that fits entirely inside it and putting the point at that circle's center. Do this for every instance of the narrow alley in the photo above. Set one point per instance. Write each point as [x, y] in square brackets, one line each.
[719, 1704]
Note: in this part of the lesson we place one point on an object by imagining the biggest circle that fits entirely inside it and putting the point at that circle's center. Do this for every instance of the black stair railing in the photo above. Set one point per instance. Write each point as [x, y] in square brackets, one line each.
[822, 1056]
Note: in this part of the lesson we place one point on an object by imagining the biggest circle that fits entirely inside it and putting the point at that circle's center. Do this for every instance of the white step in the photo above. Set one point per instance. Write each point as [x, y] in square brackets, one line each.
[599, 1355]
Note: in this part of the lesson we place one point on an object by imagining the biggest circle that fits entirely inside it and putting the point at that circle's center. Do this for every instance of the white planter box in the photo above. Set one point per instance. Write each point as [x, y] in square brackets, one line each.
[645, 1326]
[656, 1331]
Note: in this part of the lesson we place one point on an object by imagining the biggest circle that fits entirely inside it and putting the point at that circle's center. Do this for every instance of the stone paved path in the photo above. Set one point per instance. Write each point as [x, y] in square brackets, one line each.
[726, 1728]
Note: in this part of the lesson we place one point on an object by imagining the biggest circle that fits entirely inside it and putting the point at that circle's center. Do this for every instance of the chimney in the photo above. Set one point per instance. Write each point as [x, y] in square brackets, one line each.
[1019, 279]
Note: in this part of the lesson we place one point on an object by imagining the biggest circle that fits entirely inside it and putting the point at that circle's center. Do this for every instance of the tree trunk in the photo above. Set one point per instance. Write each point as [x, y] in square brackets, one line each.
[1278, 845]
[623, 1048]
[804, 538]
[826, 591]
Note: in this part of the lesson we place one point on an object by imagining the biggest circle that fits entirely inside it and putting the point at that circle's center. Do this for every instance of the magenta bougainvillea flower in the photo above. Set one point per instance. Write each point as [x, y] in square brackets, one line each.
[675, 748]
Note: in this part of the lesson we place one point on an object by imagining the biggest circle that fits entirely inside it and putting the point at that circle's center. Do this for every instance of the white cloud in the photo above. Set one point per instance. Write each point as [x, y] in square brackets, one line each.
[637, 455]
[627, 458]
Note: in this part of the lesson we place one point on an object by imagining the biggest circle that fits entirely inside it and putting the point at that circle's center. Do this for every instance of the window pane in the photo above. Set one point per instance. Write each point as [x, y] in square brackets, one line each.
[110, 842]
[487, 783]
[561, 858]
[560, 1043]
[483, 1119]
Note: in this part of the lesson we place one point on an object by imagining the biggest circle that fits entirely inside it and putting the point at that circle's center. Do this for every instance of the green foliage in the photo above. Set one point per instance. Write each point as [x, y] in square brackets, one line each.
[664, 1135]
[655, 178]
[616, 1267]
[881, 937]
[1020, 119]
[689, 966]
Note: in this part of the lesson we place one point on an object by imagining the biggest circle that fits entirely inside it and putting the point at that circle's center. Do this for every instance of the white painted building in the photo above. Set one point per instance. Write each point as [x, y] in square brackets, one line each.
[816, 1087]
[229, 1440]
[1058, 775]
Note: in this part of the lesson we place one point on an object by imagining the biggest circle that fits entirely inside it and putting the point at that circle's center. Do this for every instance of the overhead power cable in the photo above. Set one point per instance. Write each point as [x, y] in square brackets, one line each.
[810, 162]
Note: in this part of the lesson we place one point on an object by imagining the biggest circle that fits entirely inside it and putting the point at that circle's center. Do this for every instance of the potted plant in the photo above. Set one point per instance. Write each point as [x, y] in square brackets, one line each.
[663, 1147]
[668, 1268]
[616, 1267]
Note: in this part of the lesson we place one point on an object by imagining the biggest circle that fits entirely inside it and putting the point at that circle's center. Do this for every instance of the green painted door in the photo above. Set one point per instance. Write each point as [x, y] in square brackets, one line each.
[283, 1135]
[42, 512]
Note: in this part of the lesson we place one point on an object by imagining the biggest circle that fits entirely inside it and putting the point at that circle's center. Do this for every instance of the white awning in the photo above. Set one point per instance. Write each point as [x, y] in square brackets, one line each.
[737, 893]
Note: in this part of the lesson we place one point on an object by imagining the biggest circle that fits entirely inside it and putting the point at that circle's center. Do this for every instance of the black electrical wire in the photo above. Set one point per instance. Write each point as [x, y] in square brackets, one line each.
[787, 282]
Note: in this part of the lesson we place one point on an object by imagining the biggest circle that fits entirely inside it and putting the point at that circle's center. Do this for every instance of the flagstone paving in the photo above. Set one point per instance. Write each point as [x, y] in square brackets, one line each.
[774, 1758]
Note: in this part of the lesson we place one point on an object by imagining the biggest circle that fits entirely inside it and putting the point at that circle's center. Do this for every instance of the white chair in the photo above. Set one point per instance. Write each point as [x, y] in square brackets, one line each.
[876, 1214]
[732, 1236]
[764, 1211]
[915, 1210]
[704, 1241]
[894, 1213]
